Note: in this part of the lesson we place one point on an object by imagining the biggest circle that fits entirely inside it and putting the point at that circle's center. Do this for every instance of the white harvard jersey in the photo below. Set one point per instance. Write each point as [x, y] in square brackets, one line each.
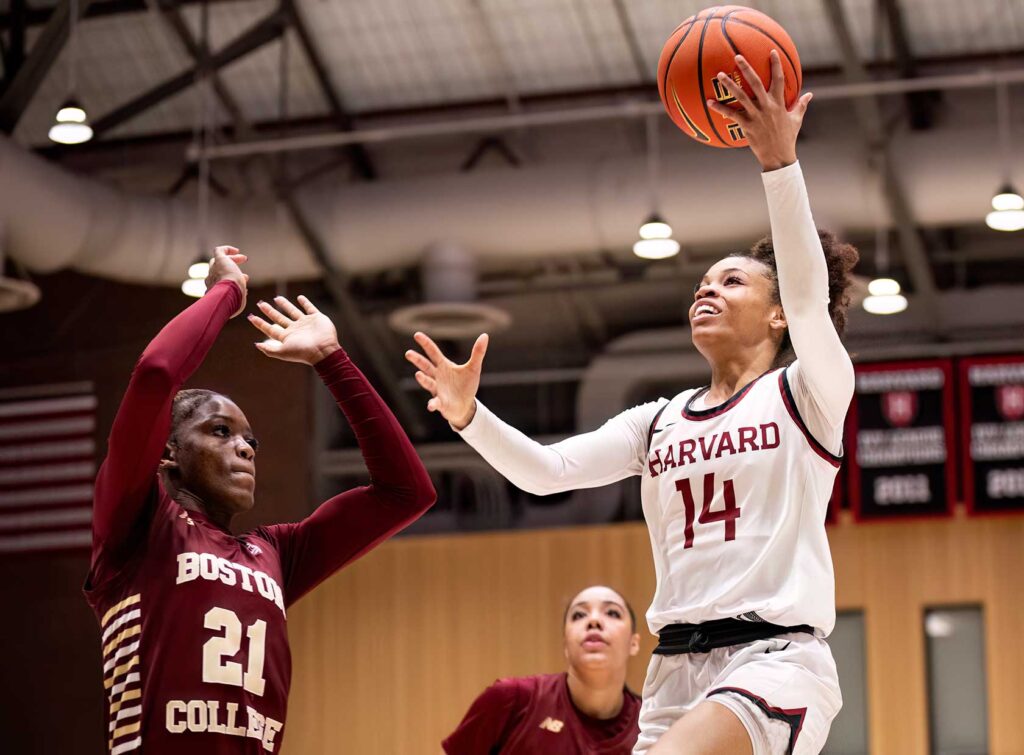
[735, 499]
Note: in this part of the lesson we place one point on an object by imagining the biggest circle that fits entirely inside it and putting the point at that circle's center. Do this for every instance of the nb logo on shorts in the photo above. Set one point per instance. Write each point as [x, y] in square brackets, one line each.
[552, 724]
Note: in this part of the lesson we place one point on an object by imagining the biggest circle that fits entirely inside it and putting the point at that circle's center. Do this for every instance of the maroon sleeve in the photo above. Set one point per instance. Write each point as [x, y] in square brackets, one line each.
[350, 524]
[490, 720]
[127, 477]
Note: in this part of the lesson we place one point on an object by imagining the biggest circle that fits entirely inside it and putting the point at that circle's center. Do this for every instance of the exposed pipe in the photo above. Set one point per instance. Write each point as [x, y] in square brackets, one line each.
[632, 109]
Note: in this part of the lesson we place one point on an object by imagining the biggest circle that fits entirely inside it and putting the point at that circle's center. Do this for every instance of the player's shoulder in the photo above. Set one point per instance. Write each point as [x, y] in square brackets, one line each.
[511, 692]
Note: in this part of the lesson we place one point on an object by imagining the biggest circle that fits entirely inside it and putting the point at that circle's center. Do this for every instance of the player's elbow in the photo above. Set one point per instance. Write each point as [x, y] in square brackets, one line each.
[154, 371]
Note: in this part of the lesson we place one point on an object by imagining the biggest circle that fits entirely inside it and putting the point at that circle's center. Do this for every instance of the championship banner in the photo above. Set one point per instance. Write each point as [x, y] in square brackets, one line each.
[900, 440]
[992, 446]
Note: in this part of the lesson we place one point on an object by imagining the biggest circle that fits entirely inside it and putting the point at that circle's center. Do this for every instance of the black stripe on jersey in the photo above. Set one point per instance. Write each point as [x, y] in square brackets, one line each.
[790, 402]
[654, 424]
[725, 406]
[792, 716]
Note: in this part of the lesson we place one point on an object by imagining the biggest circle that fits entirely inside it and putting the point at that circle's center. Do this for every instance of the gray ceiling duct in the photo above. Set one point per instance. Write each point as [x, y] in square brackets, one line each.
[448, 274]
[57, 220]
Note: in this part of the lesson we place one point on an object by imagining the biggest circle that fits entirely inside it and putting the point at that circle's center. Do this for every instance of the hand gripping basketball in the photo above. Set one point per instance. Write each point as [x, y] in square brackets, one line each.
[771, 128]
[452, 387]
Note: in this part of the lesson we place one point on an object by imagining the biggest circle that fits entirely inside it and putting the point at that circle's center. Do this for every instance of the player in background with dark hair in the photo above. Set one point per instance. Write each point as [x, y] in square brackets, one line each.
[735, 476]
[587, 710]
[193, 617]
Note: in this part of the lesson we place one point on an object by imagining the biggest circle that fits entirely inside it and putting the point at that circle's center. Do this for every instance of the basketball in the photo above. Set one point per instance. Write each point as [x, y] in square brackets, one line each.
[707, 43]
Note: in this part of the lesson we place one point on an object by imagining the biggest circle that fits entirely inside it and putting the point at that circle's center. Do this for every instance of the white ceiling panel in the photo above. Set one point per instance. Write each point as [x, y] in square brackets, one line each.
[953, 27]
[392, 53]
[550, 45]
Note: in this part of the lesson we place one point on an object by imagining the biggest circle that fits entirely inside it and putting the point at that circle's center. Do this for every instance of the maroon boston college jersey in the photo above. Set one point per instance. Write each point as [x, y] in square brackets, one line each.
[535, 714]
[195, 639]
[192, 618]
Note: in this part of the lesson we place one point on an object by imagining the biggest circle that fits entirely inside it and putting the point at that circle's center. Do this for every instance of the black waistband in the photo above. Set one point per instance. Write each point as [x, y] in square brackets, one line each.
[700, 638]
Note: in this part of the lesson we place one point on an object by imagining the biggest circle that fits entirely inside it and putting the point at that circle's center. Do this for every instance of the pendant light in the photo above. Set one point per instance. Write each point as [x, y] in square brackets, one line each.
[71, 124]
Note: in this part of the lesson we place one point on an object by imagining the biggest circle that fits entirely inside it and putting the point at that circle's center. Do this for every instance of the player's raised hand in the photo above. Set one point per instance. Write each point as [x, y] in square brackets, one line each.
[304, 335]
[770, 127]
[452, 387]
[224, 265]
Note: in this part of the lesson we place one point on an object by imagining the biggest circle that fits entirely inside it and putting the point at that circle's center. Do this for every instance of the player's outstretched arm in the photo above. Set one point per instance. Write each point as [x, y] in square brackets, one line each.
[589, 460]
[347, 525]
[139, 432]
[771, 129]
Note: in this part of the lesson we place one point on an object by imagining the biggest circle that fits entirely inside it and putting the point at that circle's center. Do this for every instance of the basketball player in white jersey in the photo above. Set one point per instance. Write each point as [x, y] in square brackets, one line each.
[735, 476]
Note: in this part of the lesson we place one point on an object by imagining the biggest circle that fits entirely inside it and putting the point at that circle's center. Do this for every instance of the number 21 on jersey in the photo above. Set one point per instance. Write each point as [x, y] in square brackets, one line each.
[728, 515]
[216, 650]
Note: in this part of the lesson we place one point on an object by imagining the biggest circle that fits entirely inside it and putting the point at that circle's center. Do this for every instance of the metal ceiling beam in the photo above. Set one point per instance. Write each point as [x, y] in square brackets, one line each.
[629, 33]
[22, 87]
[268, 29]
[361, 160]
[920, 105]
[863, 93]
[872, 125]
[98, 9]
[14, 53]
[987, 77]
[351, 319]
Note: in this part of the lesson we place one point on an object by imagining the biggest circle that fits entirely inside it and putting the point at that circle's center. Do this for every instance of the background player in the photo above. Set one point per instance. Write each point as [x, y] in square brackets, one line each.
[736, 476]
[585, 710]
[193, 618]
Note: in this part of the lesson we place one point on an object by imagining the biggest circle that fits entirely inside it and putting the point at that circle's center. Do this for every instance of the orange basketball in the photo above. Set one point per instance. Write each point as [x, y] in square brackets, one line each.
[707, 43]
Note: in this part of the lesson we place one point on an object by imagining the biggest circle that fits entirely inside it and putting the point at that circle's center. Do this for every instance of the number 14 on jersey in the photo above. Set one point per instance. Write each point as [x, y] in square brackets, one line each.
[728, 515]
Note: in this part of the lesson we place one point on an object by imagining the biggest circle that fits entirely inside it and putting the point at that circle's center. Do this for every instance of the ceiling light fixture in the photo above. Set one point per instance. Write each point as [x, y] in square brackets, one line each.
[656, 242]
[885, 296]
[71, 125]
[1007, 210]
[1007, 205]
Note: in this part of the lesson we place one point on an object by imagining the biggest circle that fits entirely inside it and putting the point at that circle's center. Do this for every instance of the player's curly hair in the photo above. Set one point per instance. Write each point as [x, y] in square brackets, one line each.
[840, 258]
[186, 403]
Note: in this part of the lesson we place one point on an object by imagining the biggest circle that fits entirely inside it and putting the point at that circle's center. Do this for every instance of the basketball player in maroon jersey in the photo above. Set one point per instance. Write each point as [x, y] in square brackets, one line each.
[587, 710]
[193, 617]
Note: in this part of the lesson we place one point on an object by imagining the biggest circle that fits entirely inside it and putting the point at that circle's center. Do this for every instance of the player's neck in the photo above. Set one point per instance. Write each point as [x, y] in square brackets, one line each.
[597, 694]
[732, 372]
[189, 500]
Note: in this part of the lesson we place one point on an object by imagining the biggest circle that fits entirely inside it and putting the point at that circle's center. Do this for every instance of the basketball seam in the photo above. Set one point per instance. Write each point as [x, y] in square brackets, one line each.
[775, 42]
[668, 66]
[700, 77]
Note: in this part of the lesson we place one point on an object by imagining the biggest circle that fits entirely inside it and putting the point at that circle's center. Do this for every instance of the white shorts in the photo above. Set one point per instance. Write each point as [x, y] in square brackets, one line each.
[784, 690]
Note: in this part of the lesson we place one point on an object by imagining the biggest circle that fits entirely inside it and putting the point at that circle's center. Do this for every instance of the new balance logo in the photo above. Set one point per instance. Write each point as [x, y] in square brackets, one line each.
[552, 724]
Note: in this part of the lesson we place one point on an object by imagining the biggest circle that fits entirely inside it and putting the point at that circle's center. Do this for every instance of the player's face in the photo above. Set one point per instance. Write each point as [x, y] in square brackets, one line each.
[598, 633]
[734, 306]
[216, 457]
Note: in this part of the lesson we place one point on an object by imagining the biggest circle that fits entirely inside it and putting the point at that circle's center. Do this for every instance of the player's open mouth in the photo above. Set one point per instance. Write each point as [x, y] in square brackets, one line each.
[594, 640]
[704, 311]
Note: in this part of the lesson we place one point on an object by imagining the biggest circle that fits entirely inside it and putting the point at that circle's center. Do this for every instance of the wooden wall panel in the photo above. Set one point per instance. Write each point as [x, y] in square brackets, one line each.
[389, 653]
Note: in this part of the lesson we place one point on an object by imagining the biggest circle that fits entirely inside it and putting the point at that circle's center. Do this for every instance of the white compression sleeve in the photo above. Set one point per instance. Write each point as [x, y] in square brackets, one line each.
[822, 379]
[610, 453]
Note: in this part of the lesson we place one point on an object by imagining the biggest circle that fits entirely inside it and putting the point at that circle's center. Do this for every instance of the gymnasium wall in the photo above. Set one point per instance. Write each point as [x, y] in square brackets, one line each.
[87, 329]
[389, 653]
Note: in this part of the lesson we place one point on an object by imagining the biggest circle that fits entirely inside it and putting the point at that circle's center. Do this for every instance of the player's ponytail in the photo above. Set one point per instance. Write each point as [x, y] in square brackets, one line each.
[840, 258]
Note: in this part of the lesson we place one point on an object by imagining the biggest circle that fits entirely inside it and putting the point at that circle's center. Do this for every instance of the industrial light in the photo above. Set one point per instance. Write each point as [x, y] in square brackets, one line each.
[885, 304]
[199, 270]
[656, 249]
[883, 287]
[71, 126]
[1007, 210]
[655, 240]
[655, 228]
[194, 287]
